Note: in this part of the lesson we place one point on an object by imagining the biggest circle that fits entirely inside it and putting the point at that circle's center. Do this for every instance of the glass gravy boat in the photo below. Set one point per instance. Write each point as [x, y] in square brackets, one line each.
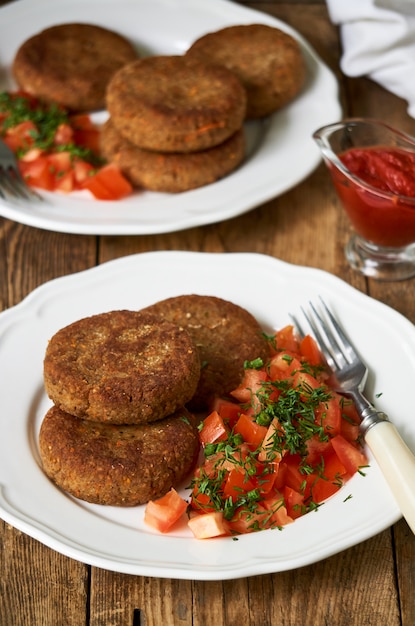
[372, 167]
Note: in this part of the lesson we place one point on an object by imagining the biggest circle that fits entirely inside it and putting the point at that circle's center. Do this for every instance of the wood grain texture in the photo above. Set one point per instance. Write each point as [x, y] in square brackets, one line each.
[39, 586]
[370, 584]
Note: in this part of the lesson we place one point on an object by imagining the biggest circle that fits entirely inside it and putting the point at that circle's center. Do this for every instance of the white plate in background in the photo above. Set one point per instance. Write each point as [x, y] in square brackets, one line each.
[281, 152]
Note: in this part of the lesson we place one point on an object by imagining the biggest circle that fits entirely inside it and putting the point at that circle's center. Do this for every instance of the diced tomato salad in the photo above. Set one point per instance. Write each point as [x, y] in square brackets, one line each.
[58, 151]
[285, 443]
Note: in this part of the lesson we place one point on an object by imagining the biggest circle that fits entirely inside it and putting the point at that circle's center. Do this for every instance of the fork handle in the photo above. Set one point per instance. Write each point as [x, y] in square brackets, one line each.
[397, 463]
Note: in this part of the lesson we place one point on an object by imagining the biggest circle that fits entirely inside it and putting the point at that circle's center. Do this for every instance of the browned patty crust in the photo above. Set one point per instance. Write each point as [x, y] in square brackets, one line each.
[268, 61]
[175, 104]
[171, 172]
[115, 464]
[225, 334]
[121, 367]
[71, 64]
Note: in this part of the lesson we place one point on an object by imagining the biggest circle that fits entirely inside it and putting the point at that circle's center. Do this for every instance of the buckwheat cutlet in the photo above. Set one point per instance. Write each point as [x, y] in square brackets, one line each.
[71, 64]
[268, 61]
[118, 465]
[175, 103]
[225, 334]
[171, 172]
[122, 367]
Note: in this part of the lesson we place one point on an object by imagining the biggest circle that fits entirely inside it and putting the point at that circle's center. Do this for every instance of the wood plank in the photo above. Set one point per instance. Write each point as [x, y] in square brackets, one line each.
[33, 256]
[284, 227]
[334, 591]
[405, 560]
[124, 600]
[355, 587]
[39, 586]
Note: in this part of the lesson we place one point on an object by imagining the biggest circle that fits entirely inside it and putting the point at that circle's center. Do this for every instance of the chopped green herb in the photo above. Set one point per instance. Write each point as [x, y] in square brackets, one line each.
[47, 118]
[256, 364]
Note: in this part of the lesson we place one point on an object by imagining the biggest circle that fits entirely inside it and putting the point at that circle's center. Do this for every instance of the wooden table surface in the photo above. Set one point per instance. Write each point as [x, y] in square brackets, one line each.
[370, 584]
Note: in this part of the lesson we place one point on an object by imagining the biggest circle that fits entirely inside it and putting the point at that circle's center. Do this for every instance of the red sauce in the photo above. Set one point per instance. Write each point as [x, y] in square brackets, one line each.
[381, 218]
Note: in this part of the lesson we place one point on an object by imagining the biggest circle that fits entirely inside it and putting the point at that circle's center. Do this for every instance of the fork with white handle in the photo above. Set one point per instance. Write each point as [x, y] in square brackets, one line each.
[393, 456]
[12, 184]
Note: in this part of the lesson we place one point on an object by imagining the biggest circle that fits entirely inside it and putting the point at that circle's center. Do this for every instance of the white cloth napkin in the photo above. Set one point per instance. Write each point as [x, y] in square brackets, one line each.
[378, 38]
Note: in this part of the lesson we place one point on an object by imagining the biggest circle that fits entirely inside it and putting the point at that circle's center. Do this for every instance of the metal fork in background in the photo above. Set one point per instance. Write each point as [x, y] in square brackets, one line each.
[12, 184]
[394, 458]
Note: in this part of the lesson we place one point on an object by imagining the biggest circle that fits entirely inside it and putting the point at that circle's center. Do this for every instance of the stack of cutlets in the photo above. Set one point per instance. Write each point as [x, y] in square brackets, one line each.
[175, 123]
[123, 384]
[119, 433]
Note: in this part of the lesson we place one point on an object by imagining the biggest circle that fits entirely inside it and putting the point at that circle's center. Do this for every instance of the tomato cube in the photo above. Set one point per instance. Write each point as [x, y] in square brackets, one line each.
[286, 339]
[283, 365]
[265, 477]
[350, 421]
[269, 446]
[60, 162]
[237, 483]
[166, 511]
[251, 384]
[293, 477]
[310, 350]
[316, 449]
[294, 502]
[349, 455]
[245, 521]
[306, 383]
[81, 121]
[229, 411]
[108, 183]
[82, 171]
[37, 173]
[252, 433]
[276, 506]
[328, 414]
[208, 525]
[213, 429]
[321, 489]
[201, 501]
[63, 135]
[21, 136]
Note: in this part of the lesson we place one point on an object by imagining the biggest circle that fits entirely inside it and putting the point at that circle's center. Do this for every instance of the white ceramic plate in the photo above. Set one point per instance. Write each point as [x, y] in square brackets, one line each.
[116, 538]
[281, 152]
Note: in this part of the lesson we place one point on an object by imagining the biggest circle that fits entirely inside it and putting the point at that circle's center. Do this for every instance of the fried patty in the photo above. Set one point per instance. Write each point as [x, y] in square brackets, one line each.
[122, 367]
[225, 334]
[71, 64]
[115, 464]
[167, 171]
[268, 61]
[175, 103]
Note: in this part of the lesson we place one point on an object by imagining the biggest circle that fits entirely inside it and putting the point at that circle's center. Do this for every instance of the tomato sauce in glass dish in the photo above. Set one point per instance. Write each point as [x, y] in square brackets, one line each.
[379, 196]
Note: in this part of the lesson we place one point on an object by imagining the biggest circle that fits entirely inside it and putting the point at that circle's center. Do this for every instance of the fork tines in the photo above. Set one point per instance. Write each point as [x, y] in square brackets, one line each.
[12, 184]
[13, 187]
[328, 333]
